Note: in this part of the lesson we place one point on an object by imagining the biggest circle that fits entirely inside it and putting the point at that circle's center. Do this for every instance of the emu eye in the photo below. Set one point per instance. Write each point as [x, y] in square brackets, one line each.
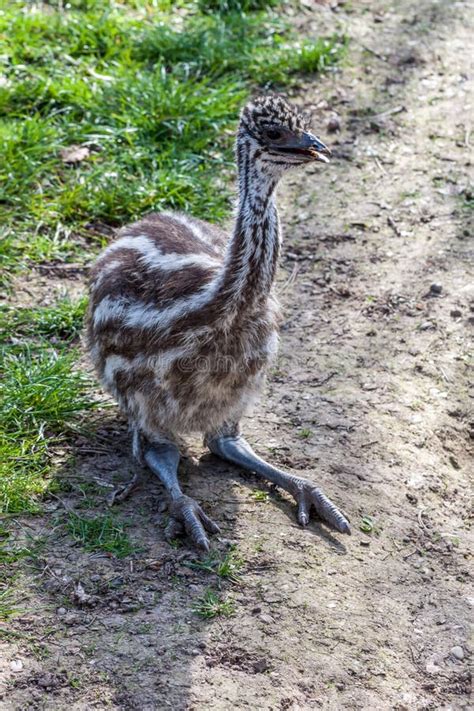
[273, 134]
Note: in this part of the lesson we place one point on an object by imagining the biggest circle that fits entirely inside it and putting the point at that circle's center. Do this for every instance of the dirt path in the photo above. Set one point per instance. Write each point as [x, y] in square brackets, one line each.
[370, 397]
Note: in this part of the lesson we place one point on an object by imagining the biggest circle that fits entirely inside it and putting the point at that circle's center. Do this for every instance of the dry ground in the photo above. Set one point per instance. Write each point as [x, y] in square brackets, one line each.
[370, 398]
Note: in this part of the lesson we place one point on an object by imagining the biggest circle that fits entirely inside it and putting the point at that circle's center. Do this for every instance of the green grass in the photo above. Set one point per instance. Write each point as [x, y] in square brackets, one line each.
[63, 321]
[101, 533]
[153, 92]
[226, 567]
[42, 398]
[211, 604]
[260, 495]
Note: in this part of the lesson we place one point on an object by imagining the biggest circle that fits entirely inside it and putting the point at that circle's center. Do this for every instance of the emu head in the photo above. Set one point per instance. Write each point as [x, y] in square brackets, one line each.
[275, 135]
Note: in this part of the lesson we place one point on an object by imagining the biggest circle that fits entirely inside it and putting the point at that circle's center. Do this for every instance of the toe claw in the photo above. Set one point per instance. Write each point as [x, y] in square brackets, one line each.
[329, 512]
[303, 509]
[192, 518]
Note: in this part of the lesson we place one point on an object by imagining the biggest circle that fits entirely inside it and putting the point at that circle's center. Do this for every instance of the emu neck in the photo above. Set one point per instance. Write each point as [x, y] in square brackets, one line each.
[252, 253]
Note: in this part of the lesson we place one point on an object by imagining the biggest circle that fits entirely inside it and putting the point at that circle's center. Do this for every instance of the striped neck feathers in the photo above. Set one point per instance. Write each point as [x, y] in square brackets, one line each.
[252, 252]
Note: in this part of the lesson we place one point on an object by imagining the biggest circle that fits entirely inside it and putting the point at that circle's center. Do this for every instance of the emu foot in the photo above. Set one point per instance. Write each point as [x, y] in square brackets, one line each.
[234, 448]
[309, 496]
[186, 516]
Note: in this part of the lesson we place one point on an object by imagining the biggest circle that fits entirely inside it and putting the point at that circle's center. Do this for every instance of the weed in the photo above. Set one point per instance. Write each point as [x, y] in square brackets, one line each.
[101, 533]
[259, 495]
[368, 525]
[305, 433]
[226, 567]
[7, 606]
[212, 605]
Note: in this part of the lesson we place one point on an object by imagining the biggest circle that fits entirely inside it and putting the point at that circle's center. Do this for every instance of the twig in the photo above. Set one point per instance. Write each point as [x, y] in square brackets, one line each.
[382, 114]
[291, 279]
[391, 223]
[467, 136]
[323, 381]
[372, 51]
[380, 166]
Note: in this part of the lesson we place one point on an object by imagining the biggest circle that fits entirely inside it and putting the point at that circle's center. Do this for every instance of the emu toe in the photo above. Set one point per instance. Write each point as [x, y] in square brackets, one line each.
[309, 496]
[186, 516]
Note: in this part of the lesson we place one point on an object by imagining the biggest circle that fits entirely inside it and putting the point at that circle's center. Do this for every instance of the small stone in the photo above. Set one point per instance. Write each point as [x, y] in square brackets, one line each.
[436, 289]
[455, 313]
[457, 652]
[365, 544]
[16, 665]
[266, 619]
[256, 610]
[454, 463]
[260, 666]
[334, 124]
[61, 611]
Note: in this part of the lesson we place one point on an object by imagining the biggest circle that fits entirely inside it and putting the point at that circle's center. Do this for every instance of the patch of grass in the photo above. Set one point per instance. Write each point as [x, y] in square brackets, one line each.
[236, 5]
[367, 525]
[42, 399]
[7, 603]
[42, 391]
[101, 533]
[151, 91]
[305, 433]
[212, 605]
[227, 567]
[259, 495]
[62, 321]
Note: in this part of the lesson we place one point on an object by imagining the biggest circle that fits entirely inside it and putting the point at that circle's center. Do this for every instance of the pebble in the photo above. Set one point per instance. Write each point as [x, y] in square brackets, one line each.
[267, 619]
[334, 124]
[455, 313]
[436, 289]
[61, 611]
[260, 666]
[16, 665]
[457, 652]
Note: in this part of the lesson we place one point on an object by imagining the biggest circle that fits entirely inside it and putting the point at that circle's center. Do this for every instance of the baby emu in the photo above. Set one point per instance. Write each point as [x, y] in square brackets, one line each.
[183, 321]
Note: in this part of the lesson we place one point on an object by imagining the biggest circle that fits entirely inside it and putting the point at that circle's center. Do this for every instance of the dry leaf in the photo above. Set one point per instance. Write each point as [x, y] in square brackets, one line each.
[74, 154]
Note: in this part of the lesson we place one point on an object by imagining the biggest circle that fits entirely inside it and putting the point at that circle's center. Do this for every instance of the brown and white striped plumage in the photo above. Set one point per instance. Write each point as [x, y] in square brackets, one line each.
[183, 321]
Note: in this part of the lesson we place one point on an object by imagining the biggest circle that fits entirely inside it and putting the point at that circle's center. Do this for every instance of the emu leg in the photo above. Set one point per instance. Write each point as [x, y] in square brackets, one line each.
[234, 448]
[185, 513]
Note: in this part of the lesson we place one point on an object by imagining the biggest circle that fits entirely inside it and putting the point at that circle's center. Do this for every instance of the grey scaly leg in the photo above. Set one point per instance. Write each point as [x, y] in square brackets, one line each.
[185, 513]
[230, 445]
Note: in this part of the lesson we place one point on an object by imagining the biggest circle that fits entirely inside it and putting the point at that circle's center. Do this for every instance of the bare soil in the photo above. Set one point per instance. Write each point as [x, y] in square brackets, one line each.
[370, 398]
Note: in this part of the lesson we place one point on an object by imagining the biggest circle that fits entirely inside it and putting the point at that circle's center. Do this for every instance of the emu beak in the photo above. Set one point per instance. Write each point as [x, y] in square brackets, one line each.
[317, 149]
[307, 145]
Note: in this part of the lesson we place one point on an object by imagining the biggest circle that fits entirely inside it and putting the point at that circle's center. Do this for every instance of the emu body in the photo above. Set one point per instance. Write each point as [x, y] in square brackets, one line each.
[183, 321]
